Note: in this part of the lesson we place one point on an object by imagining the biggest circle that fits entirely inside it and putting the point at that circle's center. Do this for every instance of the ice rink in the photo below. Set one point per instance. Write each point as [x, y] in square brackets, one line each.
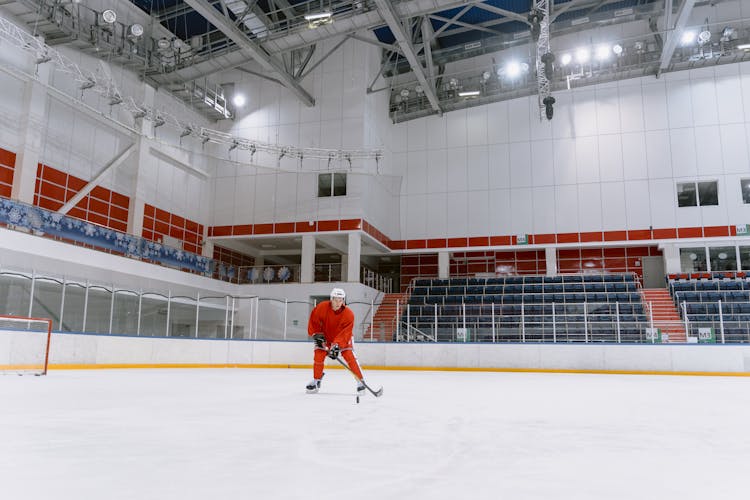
[254, 434]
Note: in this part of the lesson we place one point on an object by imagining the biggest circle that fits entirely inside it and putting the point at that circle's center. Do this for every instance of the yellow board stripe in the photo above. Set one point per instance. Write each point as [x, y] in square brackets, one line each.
[398, 368]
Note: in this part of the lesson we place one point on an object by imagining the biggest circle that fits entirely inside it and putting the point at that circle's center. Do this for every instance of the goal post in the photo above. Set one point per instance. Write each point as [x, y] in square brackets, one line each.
[24, 344]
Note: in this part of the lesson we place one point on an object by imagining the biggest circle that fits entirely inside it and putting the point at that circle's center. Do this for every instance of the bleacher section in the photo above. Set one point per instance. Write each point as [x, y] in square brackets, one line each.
[719, 301]
[563, 308]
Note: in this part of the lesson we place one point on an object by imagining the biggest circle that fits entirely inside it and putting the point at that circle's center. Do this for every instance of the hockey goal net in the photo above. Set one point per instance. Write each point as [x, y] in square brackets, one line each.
[24, 344]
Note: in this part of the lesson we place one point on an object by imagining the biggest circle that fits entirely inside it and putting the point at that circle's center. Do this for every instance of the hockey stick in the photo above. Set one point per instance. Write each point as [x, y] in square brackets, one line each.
[377, 393]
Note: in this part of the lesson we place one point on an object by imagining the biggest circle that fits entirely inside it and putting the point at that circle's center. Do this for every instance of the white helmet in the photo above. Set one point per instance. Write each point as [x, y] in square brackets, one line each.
[338, 293]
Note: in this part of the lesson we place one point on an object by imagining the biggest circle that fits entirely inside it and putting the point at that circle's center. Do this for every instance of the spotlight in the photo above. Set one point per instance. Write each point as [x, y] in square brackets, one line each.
[687, 38]
[318, 19]
[565, 59]
[638, 46]
[469, 93]
[583, 55]
[728, 34]
[405, 93]
[512, 69]
[548, 110]
[238, 100]
[602, 52]
[486, 76]
[158, 121]
[163, 44]
[109, 16]
[617, 49]
[419, 90]
[135, 30]
[704, 37]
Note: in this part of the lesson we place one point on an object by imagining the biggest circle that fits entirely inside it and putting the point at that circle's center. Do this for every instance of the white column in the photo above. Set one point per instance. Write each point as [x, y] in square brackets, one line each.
[140, 181]
[345, 268]
[550, 256]
[671, 254]
[307, 267]
[444, 265]
[353, 257]
[32, 131]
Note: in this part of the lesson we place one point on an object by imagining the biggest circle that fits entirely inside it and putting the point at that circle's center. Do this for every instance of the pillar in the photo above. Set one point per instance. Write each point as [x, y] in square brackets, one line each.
[354, 252]
[550, 256]
[444, 265]
[137, 204]
[32, 123]
[307, 267]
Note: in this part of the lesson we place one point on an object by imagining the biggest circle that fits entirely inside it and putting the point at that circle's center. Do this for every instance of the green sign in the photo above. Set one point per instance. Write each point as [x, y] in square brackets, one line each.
[706, 336]
[463, 334]
[522, 239]
[653, 335]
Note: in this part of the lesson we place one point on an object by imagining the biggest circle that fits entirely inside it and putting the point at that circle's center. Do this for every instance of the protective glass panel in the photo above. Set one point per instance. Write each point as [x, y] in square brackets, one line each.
[212, 318]
[153, 315]
[243, 317]
[15, 293]
[75, 297]
[125, 313]
[47, 300]
[98, 309]
[182, 317]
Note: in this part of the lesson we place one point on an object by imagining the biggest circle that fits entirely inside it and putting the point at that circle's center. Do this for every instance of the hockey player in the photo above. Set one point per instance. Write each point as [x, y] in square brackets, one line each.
[330, 326]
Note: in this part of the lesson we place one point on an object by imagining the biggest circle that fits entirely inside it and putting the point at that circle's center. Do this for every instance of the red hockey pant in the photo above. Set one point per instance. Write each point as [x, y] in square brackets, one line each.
[347, 354]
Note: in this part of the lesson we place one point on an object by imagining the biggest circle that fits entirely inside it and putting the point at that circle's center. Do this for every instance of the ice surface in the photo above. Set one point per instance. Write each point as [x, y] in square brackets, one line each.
[254, 434]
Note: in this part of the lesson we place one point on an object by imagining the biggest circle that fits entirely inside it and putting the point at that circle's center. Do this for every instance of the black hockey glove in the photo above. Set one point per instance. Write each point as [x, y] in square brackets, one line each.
[334, 351]
[319, 340]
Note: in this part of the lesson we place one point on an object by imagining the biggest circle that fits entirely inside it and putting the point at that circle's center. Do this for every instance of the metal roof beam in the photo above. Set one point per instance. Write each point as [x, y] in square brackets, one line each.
[674, 34]
[204, 8]
[394, 23]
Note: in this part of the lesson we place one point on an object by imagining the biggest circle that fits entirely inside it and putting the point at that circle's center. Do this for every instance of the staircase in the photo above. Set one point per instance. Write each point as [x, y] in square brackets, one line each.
[664, 313]
[384, 323]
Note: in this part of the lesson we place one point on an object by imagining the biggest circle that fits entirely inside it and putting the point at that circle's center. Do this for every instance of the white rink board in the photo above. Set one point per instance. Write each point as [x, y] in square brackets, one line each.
[80, 349]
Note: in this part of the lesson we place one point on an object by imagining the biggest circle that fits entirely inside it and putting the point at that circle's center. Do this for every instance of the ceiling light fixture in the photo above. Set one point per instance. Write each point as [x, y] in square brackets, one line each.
[109, 16]
[315, 19]
[135, 30]
[687, 38]
[468, 93]
[238, 100]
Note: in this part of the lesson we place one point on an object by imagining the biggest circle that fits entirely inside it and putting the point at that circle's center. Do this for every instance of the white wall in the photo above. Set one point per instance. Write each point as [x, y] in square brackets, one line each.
[609, 160]
[93, 350]
[263, 188]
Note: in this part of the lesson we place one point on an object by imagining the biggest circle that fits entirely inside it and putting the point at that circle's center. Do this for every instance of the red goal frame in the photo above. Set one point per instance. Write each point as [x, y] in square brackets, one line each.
[49, 335]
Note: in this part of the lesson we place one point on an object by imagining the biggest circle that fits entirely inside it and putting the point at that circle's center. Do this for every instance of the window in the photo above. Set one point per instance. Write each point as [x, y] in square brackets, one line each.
[693, 260]
[331, 185]
[692, 194]
[745, 185]
[723, 258]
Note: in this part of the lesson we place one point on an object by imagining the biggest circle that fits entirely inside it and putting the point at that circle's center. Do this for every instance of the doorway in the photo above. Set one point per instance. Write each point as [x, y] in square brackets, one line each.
[653, 272]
